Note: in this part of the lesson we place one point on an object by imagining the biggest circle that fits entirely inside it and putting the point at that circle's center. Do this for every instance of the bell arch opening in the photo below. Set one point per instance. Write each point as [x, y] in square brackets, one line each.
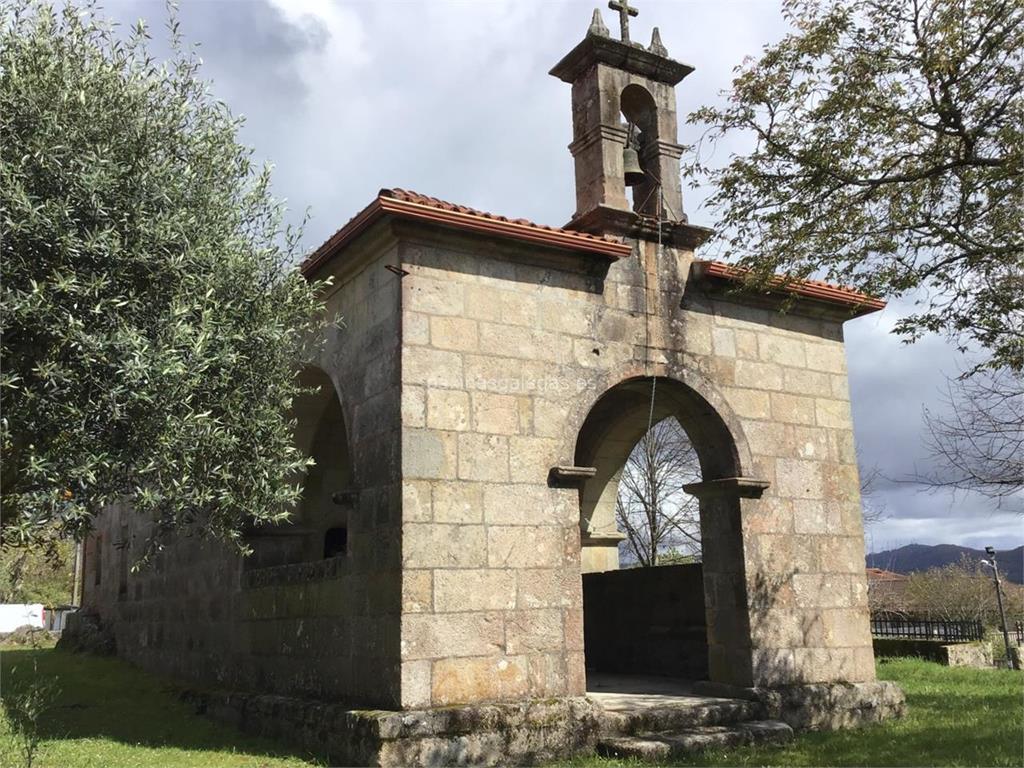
[640, 110]
[318, 528]
[646, 603]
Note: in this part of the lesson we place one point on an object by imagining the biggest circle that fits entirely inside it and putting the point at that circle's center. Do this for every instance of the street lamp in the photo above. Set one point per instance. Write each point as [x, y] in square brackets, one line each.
[994, 565]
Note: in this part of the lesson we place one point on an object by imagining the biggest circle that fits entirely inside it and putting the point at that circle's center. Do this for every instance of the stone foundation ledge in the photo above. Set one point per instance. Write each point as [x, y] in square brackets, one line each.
[520, 733]
[821, 706]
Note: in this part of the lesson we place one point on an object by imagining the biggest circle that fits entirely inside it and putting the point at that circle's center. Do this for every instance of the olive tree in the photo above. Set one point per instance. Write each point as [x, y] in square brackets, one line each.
[151, 312]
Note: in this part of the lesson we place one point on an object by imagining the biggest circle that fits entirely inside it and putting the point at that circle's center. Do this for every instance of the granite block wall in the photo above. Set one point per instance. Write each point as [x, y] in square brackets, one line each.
[313, 627]
[503, 358]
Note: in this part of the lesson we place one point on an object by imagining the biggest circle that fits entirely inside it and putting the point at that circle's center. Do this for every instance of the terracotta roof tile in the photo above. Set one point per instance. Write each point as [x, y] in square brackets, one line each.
[412, 205]
[415, 197]
[811, 289]
[407, 204]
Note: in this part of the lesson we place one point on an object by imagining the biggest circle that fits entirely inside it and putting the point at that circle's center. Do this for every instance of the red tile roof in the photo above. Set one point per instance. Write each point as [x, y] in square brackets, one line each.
[412, 205]
[404, 204]
[812, 289]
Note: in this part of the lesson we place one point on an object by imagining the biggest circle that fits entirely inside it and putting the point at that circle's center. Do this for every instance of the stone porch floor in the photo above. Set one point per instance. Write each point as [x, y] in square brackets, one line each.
[626, 693]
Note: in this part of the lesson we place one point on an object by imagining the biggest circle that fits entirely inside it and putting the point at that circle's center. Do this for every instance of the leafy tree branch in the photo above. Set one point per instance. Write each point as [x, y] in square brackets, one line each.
[151, 313]
[888, 154]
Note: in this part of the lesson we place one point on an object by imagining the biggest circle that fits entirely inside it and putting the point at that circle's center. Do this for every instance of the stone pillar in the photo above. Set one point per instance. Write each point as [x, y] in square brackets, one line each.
[727, 598]
[776, 617]
[597, 150]
[662, 159]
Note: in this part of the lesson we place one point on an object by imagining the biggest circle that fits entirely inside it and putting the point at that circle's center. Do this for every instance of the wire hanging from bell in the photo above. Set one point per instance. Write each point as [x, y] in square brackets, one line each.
[657, 259]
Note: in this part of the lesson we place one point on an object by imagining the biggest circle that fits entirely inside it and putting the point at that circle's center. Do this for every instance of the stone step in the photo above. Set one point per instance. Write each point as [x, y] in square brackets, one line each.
[678, 717]
[659, 747]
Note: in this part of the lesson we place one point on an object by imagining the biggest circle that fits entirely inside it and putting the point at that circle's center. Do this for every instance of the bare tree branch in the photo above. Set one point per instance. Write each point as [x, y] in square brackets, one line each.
[658, 517]
[978, 444]
[873, 510]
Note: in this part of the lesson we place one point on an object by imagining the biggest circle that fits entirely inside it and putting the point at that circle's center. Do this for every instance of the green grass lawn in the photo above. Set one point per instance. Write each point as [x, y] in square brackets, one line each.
[110, 714]
[955, 717]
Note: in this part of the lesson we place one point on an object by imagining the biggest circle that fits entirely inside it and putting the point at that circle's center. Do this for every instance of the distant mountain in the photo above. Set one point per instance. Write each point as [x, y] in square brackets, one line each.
[921, 557]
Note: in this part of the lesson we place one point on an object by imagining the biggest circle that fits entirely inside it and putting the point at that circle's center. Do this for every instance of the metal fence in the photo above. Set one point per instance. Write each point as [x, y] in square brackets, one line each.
[1018, 630]
[927, 629]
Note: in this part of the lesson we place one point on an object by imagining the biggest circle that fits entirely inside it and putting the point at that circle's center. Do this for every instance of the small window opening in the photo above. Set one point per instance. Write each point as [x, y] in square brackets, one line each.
[335, 542]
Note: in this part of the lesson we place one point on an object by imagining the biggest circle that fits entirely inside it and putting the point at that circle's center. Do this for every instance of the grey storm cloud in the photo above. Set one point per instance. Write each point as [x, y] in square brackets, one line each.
[453, 99]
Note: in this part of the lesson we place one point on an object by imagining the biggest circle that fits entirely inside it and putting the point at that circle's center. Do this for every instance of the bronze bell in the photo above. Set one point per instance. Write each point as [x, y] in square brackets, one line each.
[633, 173]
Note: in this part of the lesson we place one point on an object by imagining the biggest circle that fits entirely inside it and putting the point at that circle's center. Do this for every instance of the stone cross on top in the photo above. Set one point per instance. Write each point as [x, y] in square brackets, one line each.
[625, 11]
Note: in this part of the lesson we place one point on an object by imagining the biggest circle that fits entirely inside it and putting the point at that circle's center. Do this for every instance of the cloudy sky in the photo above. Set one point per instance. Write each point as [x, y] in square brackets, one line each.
[452, 98]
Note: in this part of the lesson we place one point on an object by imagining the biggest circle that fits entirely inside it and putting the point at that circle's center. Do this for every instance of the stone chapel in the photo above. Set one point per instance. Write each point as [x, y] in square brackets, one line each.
[454, 561]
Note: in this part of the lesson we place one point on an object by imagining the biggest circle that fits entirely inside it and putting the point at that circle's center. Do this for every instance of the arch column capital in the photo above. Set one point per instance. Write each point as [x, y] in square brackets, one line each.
[742, 487]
